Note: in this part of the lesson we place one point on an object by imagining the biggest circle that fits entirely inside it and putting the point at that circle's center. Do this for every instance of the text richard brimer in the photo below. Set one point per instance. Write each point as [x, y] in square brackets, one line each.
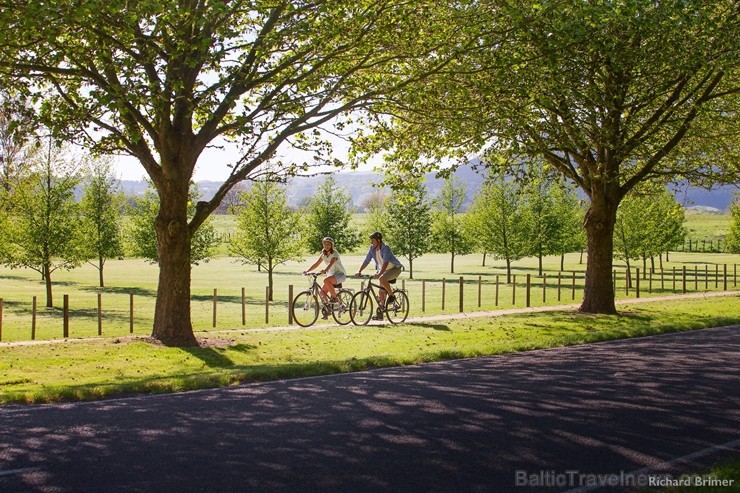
[575, 478]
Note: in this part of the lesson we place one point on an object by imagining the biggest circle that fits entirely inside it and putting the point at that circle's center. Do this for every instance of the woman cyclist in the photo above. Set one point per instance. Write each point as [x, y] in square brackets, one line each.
[334, 270]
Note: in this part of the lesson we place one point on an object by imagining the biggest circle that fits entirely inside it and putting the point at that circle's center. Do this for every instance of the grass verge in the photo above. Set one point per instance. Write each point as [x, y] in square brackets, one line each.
[101, 368]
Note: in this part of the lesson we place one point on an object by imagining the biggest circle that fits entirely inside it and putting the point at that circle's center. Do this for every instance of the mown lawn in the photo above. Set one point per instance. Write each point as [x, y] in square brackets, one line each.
[103, 367]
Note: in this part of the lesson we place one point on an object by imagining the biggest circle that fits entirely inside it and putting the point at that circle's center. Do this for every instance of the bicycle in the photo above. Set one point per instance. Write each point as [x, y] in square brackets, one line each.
[306, 304]
[362, 308]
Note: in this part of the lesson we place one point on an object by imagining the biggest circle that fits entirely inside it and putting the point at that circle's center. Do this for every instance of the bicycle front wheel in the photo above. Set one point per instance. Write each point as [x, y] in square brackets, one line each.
[399, 309]
[340, 312]
[361, 308]
[305, 308]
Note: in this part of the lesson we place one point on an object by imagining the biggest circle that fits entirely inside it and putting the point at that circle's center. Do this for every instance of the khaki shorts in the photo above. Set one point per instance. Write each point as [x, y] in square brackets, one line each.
[391, 273]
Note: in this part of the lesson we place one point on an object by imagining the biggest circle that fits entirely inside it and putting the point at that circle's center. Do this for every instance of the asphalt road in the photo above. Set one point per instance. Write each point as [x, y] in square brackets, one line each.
[553, 420]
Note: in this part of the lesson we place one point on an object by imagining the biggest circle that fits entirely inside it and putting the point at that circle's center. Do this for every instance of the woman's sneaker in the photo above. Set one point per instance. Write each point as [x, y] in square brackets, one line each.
[378, 314]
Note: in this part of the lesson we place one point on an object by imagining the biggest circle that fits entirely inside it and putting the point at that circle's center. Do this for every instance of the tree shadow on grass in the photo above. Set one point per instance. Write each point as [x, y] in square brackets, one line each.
[428, 325]
[121, 290]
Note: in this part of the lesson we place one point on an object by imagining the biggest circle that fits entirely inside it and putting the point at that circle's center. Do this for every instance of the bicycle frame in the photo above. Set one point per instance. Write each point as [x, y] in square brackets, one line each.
[395, 306]
[306, 305]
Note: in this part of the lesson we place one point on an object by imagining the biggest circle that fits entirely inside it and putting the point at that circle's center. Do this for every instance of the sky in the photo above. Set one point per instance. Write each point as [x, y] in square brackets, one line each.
[212, 164]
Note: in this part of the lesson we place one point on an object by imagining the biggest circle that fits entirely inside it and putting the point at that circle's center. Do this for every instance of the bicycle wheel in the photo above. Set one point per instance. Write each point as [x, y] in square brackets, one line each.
[399, 309]
[305, 308]
[341, 309]
[361, 308]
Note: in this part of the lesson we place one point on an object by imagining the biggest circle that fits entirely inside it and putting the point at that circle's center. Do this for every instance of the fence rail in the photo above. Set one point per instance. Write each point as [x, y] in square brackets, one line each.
[426, 297]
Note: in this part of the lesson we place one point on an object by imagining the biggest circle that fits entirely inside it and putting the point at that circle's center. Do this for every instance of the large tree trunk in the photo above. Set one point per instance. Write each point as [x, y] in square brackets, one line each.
[598, 296]
[172, 322]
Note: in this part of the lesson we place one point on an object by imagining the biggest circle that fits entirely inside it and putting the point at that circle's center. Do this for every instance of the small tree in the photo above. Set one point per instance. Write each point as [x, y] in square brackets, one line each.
[732, 240]
[409, 223]
[45, 233]
[448, 233]
[571, 236]
[329, 213]
[102, 205]
[267, 230]
[552, 217]
[649, 221]
[496, 219]
[141, 237]
[376, 213]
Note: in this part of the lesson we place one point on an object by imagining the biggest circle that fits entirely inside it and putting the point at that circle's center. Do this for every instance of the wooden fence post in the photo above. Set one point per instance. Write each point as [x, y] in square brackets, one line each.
[544, 288]
[573, 295]
[244, 307]
[526, 296]
[33, 320]
[423, 295]
[683, 280]
[444, 282]
[716, 276]
[131, 313]
[100, 314]
[559, 283]
[479, 291]
[290, 304]
[724, 283]
[66, 316]
[696, 278]
[706, 277]
[627, 281]
[637, 283]
[461, 295]
[215, 304]
[497, 287]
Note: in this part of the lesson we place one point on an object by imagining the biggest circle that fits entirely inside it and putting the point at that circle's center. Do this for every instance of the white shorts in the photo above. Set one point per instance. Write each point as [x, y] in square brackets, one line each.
[339, 276]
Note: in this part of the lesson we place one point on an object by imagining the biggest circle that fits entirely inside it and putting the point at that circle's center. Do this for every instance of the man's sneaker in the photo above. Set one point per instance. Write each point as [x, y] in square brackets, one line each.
[378, 314]
[325, 313]
[391, 300]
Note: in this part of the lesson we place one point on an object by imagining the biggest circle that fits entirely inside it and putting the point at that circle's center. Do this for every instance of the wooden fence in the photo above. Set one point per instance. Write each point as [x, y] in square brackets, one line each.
[446, 294]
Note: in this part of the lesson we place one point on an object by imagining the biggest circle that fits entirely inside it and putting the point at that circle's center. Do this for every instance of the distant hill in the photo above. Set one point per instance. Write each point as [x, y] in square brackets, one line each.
[359, 184]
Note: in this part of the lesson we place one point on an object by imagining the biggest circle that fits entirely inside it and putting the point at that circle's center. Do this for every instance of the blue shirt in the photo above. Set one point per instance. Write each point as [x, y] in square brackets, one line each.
[385, 254]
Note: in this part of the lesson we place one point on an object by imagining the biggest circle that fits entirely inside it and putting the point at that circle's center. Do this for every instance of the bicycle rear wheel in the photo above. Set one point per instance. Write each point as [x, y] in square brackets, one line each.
[399, 309]
[361, 308]
[305, 308]
[341, 309]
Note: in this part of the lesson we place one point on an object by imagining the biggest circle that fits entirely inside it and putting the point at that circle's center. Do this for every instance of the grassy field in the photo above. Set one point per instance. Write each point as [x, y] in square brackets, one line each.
[433, 289]
[95, 368]
[702, 226]
[482, 288]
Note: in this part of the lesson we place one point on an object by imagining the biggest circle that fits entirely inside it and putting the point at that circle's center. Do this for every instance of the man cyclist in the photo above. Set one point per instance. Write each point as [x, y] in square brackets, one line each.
[387, 265]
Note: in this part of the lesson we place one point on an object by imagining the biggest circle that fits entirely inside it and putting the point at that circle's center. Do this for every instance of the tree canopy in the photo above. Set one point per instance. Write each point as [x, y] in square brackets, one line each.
[608, 93]
[162, 81]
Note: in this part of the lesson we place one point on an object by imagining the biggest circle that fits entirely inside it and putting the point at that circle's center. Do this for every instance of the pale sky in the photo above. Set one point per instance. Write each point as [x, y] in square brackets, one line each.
[212, 165]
